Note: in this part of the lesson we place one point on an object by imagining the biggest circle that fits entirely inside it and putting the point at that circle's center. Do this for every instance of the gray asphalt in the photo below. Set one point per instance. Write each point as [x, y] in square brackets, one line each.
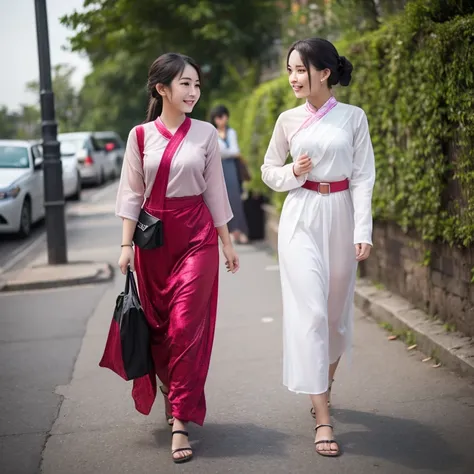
[41, 333]
[392, 413]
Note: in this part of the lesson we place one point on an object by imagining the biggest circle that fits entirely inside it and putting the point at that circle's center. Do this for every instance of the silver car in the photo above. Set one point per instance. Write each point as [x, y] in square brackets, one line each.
[21, 186]
[96, 165]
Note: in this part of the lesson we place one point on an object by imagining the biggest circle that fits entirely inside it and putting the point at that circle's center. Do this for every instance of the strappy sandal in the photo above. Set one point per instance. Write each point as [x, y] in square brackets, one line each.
[329, 453]
[169, 417]
[313, 413]
[183, 458]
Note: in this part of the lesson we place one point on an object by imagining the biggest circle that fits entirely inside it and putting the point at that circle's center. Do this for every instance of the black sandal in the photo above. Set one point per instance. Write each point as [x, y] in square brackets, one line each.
[184, 458]
[169, 417]
[313, 413]
[327, 452]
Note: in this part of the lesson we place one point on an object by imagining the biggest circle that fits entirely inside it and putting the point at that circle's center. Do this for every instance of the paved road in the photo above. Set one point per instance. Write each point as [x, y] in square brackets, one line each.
[393, 414]
[41, 333]
[14, 250]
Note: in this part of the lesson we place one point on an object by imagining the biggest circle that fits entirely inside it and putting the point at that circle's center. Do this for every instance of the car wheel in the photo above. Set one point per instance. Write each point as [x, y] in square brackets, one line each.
[101, 178]
[77, 195]
[25, 219]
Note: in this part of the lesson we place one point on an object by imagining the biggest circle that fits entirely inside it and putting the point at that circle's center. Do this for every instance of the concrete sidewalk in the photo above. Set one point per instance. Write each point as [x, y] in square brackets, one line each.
[392, 413]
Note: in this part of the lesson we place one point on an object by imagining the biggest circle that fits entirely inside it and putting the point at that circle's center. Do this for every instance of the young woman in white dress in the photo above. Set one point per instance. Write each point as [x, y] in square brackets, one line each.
[325, 225]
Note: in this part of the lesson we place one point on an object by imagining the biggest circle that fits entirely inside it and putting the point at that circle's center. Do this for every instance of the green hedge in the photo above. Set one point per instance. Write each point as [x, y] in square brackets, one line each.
[414, 77]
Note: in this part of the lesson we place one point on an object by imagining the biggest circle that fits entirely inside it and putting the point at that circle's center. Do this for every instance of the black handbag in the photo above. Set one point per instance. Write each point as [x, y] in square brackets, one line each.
[127, 350]
[148, 232]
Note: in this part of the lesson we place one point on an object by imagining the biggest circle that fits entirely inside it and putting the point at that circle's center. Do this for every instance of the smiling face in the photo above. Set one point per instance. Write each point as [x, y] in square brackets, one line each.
[184, 91]
[299, 78]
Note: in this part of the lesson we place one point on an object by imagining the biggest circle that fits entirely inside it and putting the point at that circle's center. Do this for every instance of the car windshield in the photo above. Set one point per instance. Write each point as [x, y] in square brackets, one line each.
[14, 157]
[71, 147]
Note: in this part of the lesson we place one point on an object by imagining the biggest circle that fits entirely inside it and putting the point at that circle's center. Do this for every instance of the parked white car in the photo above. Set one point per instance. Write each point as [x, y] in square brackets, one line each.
[95, 161]
[21, 186]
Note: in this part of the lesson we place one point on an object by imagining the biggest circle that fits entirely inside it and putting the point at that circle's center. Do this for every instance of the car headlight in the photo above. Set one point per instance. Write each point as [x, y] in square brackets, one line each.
[10, 193]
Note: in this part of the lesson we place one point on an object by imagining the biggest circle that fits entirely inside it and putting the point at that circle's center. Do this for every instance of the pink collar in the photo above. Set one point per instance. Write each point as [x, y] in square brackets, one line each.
[161, 127]
[317, 114]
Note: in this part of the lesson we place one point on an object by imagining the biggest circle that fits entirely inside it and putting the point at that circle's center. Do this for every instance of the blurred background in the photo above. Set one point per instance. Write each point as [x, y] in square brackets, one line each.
[414, 77]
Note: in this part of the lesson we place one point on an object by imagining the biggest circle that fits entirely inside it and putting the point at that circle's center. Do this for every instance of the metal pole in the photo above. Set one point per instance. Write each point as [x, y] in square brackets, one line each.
[53, 182]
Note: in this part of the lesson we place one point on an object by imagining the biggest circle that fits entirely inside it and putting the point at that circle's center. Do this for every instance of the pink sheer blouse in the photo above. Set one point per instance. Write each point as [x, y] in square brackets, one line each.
[196, 169]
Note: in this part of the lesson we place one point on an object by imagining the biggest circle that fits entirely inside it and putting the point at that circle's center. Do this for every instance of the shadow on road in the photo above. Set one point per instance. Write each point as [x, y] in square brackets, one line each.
[232, 440]
[400, 441]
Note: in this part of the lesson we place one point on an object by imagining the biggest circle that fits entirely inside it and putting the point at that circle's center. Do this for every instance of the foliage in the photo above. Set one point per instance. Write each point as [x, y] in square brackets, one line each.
[7, 124]
[414, 78]
[332, 18]
[114, 94]
[230, 40]
[66, 99]
[214, 32]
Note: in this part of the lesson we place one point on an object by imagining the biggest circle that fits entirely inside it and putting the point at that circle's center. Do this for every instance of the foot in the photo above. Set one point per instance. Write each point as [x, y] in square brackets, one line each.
[324, 442]
[243, 239]
[181, 450]
[168, 414]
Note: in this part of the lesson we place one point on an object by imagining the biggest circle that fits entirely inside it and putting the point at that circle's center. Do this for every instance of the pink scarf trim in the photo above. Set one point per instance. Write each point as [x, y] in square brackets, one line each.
[317, 114]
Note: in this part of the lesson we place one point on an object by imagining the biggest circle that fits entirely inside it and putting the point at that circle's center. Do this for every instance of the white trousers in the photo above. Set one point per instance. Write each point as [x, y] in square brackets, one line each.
[318, 271]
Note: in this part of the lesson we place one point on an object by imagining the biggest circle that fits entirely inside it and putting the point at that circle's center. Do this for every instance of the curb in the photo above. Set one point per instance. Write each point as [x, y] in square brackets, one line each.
[453, 350]
[100, 273]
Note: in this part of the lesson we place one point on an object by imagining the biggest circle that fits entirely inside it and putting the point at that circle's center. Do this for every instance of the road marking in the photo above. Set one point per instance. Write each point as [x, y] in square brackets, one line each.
[23, 251]
[267, 320]
[272, 268]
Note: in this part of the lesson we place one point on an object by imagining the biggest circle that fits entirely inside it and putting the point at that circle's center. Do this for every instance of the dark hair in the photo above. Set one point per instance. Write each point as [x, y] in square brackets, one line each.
[218, 111]
[323, 55]
[163, 71]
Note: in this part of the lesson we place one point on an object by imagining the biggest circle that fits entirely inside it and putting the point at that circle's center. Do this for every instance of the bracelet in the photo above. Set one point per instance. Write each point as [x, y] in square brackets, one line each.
[126, 245]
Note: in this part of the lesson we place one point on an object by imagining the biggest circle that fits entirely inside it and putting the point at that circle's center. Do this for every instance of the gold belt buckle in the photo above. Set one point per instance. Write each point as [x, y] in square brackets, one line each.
[324, 184]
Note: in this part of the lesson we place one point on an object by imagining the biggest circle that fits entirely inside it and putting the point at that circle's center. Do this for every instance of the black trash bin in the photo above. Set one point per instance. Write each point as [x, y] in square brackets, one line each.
[255, 216]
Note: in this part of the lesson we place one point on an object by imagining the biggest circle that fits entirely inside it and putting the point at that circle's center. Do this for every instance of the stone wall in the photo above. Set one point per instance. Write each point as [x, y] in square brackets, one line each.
[434, 277]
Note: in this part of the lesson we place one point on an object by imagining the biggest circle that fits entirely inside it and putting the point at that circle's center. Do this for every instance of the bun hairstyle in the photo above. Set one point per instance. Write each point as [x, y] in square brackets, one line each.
[322, 54]
[163, 71]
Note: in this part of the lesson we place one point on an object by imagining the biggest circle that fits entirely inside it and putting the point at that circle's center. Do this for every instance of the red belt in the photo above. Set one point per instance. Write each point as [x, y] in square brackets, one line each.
[327, 188]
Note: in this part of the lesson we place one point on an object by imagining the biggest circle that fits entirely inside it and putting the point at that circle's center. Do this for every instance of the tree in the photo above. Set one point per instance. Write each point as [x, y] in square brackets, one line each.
[114, 96]
[7, 124]
[66, 99]
[214, 32]
[123, 38]
[28, 124]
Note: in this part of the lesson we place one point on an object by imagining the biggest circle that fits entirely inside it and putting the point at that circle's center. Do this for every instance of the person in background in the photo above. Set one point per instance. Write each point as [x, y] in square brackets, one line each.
[230, 153]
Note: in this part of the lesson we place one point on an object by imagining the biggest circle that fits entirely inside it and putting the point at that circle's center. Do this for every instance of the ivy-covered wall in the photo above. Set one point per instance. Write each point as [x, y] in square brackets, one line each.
[414, 77]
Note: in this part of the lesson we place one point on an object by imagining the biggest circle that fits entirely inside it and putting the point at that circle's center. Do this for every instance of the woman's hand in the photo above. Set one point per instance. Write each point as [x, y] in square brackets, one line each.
[302, 165]
[127, 257]
[231, 258]
[362, 251]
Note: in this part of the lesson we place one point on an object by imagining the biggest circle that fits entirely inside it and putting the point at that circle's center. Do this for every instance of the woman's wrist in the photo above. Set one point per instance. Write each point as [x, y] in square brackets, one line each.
[126, 245]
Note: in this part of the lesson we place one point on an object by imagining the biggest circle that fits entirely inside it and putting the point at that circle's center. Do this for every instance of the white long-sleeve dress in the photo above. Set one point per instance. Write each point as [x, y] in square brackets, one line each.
[317, 234]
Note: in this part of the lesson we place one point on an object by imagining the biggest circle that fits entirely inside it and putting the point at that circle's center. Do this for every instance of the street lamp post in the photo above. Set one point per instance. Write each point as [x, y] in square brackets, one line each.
[53, 182]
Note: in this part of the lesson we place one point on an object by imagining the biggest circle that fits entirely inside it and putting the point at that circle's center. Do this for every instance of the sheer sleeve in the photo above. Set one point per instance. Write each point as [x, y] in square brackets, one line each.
[233, 150]
[275, 174]
[362, 183]
[215, 196]
[131, 189]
